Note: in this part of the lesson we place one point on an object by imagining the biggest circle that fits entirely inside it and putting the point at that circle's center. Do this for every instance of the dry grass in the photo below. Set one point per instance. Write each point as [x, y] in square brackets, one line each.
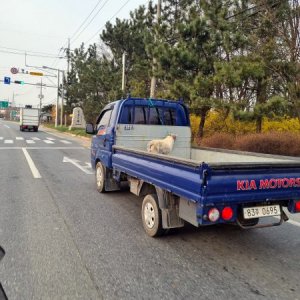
[281, 143]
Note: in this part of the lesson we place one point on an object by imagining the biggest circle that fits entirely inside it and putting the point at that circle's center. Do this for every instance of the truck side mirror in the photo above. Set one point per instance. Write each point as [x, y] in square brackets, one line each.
[90, 128]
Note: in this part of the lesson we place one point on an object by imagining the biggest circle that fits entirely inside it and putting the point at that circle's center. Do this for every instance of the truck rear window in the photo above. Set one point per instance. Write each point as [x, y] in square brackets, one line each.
[142, 114]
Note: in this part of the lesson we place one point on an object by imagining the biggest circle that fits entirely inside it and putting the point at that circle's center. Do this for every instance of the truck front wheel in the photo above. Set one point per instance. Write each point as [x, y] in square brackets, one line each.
[100, 177]
[151, 216]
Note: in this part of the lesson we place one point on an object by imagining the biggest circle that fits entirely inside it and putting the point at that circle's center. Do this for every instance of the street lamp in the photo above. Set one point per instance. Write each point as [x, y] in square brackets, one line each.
[62, 96]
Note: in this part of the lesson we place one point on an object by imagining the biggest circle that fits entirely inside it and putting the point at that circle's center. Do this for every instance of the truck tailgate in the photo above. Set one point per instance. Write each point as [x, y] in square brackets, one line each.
[254, 182]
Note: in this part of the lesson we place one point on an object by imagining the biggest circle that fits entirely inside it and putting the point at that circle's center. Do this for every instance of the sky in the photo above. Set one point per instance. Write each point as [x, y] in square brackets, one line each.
[42, 28]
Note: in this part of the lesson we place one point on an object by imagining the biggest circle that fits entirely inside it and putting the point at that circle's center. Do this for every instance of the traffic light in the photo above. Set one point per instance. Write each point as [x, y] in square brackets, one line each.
[19, 82]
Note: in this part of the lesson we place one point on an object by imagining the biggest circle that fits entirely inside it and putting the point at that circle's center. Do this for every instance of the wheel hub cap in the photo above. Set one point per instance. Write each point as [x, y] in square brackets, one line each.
[149, 215]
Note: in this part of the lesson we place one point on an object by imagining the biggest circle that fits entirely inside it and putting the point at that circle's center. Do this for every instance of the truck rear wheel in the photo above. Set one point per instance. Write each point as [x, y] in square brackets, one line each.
[151, 216]
[100, 177]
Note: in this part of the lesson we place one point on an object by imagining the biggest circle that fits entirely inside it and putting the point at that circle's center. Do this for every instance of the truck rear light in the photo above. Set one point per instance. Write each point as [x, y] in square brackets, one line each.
[227, 213]
[213, 214]
[297, 206]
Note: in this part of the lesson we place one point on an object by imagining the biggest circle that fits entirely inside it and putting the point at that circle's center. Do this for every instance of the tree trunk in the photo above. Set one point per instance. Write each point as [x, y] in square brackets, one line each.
[203, 115]
[261, 98]
[259, 124]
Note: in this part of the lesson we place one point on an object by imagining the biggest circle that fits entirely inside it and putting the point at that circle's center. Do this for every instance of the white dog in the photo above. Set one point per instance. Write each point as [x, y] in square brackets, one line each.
[164, 146]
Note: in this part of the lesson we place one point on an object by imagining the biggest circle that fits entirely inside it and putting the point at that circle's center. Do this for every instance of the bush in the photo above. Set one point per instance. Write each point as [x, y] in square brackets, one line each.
[280, 143]
[217, 122]
[219, 140]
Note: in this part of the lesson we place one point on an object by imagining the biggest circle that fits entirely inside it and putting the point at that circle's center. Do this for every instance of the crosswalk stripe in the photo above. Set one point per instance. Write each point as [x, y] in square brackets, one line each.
[50, 139]
[30, 142]
[36, 139]
[48, 142]
[19, 138]
[66, 142]
[8, 141]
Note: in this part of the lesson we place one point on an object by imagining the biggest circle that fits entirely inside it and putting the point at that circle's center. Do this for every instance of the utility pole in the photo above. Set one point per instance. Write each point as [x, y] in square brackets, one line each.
[123, 71]
[68, 57]
[57, 100]
[62, 99]
[41, 95]
[154, 64]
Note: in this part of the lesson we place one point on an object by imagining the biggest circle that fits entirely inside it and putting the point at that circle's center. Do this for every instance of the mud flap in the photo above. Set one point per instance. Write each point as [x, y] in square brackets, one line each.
[169, 205]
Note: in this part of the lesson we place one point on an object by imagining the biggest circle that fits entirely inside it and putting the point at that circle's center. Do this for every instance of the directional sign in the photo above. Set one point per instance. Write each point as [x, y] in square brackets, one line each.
[6, 80]
[3, 104]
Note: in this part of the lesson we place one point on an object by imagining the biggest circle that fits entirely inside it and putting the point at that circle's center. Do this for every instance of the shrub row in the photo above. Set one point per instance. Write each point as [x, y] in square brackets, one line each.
[281, 143]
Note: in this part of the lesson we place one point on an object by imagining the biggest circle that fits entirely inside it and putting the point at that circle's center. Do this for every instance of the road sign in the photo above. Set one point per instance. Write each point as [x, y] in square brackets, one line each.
[6, 80]
[14, 70]
[3, 104]
[36, 73]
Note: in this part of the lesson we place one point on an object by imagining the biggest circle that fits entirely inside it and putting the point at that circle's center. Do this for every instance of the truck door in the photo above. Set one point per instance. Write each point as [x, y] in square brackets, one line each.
[103, 139]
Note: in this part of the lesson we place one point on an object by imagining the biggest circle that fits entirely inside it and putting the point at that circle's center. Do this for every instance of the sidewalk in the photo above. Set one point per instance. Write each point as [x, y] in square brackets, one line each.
[84, 141]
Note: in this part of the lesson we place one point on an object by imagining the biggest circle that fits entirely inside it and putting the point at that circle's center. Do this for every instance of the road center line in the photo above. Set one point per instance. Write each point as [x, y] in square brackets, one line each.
[34, 170]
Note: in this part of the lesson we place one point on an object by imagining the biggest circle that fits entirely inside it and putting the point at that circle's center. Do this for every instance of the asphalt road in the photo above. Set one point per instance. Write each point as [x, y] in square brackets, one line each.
[64, 240]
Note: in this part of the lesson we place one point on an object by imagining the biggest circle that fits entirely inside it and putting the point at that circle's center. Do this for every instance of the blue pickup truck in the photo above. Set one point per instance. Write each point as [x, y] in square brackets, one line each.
[201, 186]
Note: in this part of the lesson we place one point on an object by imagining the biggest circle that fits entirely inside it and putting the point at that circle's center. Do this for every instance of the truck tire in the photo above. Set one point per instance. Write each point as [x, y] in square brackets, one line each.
[100, 177]
[151, 216]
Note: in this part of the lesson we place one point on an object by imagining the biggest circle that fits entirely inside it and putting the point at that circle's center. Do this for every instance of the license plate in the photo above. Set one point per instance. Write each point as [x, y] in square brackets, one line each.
[261, 211]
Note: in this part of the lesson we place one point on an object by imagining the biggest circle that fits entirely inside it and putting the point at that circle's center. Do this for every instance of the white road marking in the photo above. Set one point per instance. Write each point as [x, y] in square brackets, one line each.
[35, 172]
[6, 126]
[36, 139]
[294, 223]
[89, 164]
[50, 139]
[65, 142]
[76, 164]
[8, 141]
[19, 138]
[30, 142]
[1, 138]
[48, 142]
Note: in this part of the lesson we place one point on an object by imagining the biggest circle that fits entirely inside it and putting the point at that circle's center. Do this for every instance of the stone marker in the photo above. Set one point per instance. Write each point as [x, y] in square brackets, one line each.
[78, 120]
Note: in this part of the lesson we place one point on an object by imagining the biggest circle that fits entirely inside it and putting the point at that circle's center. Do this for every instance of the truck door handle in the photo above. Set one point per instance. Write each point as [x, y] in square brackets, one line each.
[104, 142]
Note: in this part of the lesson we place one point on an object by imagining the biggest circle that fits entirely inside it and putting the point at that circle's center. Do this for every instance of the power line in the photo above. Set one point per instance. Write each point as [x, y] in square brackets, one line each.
[86, 19]
[29, 51]
[98, 11]
[36, 55]
[108, 21]
[57, 60]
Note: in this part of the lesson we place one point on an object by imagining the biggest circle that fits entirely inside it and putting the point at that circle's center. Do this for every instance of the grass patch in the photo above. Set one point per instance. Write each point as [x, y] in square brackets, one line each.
[75, 131]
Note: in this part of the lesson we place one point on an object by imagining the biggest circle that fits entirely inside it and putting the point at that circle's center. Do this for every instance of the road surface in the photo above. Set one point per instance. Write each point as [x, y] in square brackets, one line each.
[64, 240]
